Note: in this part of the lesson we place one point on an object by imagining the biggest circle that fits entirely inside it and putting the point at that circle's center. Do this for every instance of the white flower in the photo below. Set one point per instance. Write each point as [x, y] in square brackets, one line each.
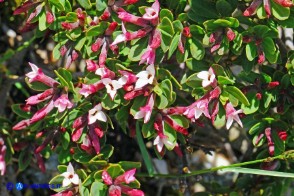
[96, 114]
[145, 77]
[163, 140]
[111, 86]
[70, 176]
[208, 78]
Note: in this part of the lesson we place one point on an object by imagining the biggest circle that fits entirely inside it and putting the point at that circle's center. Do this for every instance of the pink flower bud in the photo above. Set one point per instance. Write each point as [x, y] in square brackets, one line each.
[21, 125]
[230, 34]
[284, 3]
[106, 178]
[49, 17]
[273, 84]
[129, 2]
[283, 135]
[258, 96]
[186, 32]
[175, 125]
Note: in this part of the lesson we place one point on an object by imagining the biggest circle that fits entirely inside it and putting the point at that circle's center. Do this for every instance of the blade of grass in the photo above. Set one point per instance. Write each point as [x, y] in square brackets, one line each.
[144, 151]
[258, 172]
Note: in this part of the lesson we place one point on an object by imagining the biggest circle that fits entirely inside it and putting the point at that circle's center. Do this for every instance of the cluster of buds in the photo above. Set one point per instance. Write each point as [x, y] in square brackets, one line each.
[251, 10]
[216, 38]
[268, 134]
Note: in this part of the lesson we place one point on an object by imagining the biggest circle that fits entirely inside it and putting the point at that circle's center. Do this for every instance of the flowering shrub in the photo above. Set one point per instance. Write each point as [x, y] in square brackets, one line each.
[159, 69]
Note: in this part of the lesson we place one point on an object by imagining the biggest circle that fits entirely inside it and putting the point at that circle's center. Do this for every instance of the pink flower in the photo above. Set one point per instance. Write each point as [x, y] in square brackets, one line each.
[127, 17]
[128, 36]
[21, 125]
[104, 72]
[208, 78]
[35, 99]
[284, 3]
[106, 178]
[62, 103]
[117, 186]
[88, 89]
[114, 190]
[251, 10]
[86, 145]
[145, 112]
[97, 45]
[94, 137]
[96, 114]
[37, 75]
[231, 115]
[128, 2]
[2, 157]
[91, 65]
[42, 113]
[127, 177]
[152, 13]
[270, 143]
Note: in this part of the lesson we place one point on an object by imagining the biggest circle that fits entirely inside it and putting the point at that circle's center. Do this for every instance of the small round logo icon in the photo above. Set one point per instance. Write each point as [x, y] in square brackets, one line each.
[9, 186]
[19, 186]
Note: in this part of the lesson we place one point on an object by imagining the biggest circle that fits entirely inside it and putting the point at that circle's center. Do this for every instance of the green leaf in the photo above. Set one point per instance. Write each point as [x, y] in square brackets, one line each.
[254, 104]
[43, 25]
[196, 49]
[170, 133]
[144, 152]
[224, 80]
[24, 159]
[57, 180]
[98, 188]
[166, 13]
[37, 86]
[148, 128]
[202, 10]
[109, 104]
[85, 4]
[173, 45]
[82, 157]
[101, 5]
[251, 51]
[106, 151]
[59, 4]
[237, 94]
[138, 49]
[220, 119]
[218, 70]
[167, 32]
[196, 65]
[114, 170]
[97, 30]
[127, 165]
[16, 108]
[65, 140]
[224, 8]
[178, 26]
[280, 12]
[258, 172]
[278, 143]
[257, 128]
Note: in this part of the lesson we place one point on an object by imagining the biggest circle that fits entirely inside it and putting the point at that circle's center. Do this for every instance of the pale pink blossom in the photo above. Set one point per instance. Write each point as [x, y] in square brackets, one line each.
[145, 77]
[2, 157]
[232, 114]
[37, 75]
[96, 113]
[127, 17]
[63, 103]
[88, 89]
[114, 190]
[104, 72]
[70, 177]
[152, 13]
[35, 99]
[145, 112]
